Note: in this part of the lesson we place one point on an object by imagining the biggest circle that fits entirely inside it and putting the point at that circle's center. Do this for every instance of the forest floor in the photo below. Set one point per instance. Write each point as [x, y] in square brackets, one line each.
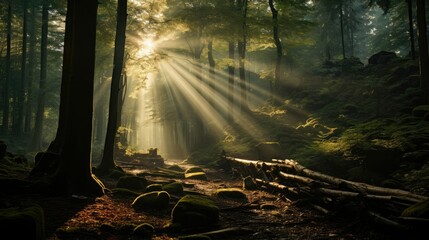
[112, 217]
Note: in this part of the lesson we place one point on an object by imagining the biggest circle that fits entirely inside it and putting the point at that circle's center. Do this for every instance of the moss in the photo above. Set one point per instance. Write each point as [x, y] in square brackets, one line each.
[249, 183]
[420, 209]
[23, 223]
[195, 211]
[173, 188]
[175, 167]
[196, 175]
[153, 188]
[144, 230]
[132, 182]
[194, 170]
[233, 193]
[153, 200]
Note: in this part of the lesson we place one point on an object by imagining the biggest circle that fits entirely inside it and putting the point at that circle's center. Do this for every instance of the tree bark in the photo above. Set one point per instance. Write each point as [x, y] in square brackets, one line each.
[38, 126]
[31, 56]
[107, 162]
[242, 54]
[74, 174]
[21, 94]
[279, 48]
[343, 47]
[231, 70]
[6, 110]
[411, 28]
[423, 49]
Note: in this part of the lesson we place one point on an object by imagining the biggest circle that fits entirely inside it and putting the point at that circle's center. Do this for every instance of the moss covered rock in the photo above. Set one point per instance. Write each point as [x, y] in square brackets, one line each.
[196, 175]
[23, 222]
[233, 193]
[132, 182]
[153, 200]
[175, 167]
[420, 209]
[249, 183]
[144, 230]
[153, 188]
[173, 188]
[194, 170]
[195, 211]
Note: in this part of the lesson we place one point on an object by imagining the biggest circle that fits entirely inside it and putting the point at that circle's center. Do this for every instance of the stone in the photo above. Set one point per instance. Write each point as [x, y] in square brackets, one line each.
[382, 57]
[153, 188]
[233, 193]
[153, 200]
[144, 230]
[194, 170]
[195, 211]
[132, 182]
[23, 222]
[173, 188]
[249, 183]
[196, 175]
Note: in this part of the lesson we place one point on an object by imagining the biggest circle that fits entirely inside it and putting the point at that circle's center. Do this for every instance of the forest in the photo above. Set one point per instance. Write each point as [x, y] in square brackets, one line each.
[214, 119]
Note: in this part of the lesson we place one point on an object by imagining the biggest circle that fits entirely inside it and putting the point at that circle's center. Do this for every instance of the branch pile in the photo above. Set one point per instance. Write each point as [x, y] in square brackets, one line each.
[328, 194]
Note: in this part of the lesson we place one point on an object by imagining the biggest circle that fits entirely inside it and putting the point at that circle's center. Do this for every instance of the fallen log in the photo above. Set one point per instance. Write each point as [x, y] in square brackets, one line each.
[342, 182]
[305, 180]
[278, 186]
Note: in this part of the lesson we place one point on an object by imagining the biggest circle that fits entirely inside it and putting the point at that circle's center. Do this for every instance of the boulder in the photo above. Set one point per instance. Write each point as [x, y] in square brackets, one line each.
[232, 193]
[132, 182]
[153, 188]
[196, 175]
[23, 222]
[144, 230]
[173, 188]
[152, 200]
[195, 211]
[382, 57]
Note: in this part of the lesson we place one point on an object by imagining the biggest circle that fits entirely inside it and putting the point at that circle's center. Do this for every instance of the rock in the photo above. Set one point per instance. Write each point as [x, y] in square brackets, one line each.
[153, 188]
[196, 175]
[195, 211]
[173, 188]
[153, 200]
[175, 167]
[268, 150]
[233, 193]
[194, 170]
[382, 57]
[420, 210]
[46, 163]
[249, 183]
[144, 230]
[132, 182]
[23, 222]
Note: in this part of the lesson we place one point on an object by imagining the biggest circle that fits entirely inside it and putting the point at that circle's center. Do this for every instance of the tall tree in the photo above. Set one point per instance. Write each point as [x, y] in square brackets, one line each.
[279, 47]
[21, 94]
[343, 47]
[5, 123]
[242, 57]
[107, 162]
[38, 127]
[411, 28]
[31, 71]
[74, 174]
[231, 70]
[423, 49]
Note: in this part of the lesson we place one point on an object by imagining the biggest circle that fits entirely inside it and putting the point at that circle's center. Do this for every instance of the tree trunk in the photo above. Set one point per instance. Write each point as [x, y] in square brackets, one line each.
[30, 81]
[107, 162]
[411, 28]
[231, 70]
[5, 122]
[279, 47]
[38, 126]
[21, 94]
[423, 49]
[74, 175]
[343, 47]
[242, 53]
[212, 65]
